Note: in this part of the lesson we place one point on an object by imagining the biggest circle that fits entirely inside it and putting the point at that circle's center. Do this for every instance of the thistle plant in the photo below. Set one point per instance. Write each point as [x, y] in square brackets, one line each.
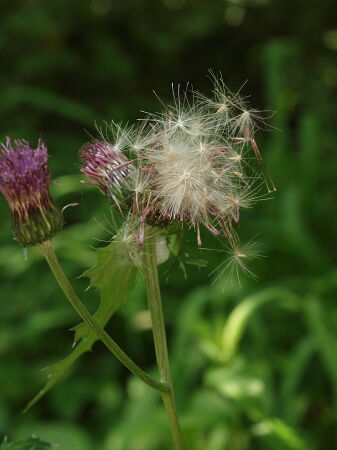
[190, 166]
[24, 181]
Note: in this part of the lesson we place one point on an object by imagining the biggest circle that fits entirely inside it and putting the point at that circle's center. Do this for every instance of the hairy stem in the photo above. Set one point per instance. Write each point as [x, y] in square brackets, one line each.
[159, 334]
[49, 253]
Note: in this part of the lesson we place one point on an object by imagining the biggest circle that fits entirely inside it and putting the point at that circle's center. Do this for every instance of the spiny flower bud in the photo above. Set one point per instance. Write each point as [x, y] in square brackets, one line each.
[24, 182]
[109, 168]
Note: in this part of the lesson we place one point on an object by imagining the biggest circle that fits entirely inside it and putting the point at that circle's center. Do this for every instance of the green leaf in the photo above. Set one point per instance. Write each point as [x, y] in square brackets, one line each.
[297, 364]
[325, 339]
[280, 435]
[32, 443]
[175, 243]
[45, 100]
[114, 275]
[237, 320]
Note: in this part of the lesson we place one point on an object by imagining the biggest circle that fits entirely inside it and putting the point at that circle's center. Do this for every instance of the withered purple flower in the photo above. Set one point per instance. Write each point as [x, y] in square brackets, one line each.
[24, 182]
[109, 168]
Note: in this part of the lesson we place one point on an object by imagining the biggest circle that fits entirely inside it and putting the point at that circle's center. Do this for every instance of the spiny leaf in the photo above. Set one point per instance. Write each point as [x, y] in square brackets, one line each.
[114, 275]
[60, 369]
[32, 443]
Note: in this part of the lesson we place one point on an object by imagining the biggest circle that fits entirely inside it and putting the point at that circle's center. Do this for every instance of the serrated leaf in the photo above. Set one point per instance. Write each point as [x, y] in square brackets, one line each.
[114, 275]
[31, 443]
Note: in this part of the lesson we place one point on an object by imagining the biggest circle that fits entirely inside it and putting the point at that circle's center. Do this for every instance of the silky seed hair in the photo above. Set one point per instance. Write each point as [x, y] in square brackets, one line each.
[195, 163]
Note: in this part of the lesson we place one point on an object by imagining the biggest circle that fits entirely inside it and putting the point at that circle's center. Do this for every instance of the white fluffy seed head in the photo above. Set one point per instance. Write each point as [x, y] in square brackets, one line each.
[193, 163]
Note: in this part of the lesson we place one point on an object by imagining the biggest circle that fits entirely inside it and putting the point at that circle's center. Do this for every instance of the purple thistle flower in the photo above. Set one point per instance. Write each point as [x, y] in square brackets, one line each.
[109, 168]
[24, 182]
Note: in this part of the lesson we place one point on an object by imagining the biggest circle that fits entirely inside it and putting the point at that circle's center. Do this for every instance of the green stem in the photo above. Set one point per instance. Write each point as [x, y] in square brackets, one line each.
[49, 253]
[159, 334]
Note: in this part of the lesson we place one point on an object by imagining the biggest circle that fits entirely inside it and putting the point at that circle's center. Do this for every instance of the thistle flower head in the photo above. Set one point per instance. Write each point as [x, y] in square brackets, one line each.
[107, 165]
[192, 163]
[24, 182]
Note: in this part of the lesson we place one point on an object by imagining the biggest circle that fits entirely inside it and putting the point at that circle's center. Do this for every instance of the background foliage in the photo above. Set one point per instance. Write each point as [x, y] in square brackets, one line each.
[255, 367]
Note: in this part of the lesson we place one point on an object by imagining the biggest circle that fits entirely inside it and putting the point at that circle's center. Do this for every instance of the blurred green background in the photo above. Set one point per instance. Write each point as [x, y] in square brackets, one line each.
[254, 367]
